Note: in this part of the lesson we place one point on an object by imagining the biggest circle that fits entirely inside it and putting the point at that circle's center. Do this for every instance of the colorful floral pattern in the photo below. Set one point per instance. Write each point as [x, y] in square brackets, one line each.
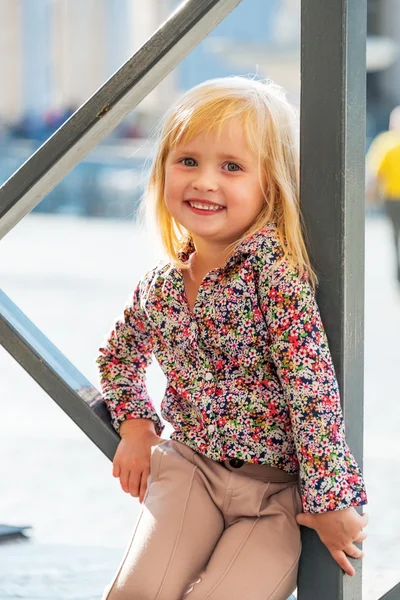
[249, 372]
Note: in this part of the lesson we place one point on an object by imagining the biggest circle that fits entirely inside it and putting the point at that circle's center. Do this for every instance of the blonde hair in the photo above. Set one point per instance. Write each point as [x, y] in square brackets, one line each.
[268, 122]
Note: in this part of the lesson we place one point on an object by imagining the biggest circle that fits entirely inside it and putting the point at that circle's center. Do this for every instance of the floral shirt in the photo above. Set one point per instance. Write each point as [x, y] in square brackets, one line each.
[249, 372]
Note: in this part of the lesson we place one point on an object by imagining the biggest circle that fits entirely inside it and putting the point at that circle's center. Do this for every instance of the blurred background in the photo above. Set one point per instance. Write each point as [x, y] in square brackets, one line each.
[71, 264]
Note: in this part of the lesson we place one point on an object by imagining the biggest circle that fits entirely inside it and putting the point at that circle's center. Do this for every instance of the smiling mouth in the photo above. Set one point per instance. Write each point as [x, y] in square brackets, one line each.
[205, 207]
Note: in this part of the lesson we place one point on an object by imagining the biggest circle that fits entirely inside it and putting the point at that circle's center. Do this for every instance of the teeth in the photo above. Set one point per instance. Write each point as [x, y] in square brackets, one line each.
[205, 206]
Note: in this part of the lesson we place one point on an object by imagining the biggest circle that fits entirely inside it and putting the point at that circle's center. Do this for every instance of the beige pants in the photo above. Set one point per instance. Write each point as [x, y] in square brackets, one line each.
[209, 531]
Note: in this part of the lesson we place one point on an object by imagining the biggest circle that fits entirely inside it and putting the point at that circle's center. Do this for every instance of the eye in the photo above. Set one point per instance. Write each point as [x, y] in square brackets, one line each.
[232, 167]
[188, 162]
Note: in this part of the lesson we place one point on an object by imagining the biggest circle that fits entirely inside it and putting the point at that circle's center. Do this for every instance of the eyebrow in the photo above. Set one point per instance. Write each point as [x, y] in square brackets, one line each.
[232, 157]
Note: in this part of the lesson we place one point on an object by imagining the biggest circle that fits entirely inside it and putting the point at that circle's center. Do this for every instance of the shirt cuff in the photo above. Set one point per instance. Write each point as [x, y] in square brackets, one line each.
[335, 492]
[135, 410]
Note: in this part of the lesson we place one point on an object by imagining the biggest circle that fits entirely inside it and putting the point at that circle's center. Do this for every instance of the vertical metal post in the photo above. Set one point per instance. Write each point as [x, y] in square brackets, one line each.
[333, 74]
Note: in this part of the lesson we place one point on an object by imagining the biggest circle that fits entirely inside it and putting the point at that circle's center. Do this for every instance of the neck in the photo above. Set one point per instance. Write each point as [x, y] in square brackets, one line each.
[207, 256]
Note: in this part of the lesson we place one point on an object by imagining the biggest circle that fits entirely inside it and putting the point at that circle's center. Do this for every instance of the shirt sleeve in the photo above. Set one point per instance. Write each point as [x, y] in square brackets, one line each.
[122, 363]
[330, 478]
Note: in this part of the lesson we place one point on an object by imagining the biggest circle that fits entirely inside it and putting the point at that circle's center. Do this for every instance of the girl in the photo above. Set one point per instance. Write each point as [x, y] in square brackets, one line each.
[251, 390]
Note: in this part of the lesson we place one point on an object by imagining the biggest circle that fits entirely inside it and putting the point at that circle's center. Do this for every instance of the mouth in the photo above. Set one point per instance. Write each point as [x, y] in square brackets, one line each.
[204, 207]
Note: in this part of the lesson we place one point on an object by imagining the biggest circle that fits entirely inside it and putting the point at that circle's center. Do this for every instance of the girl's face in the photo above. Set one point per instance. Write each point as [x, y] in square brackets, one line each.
[212, 185]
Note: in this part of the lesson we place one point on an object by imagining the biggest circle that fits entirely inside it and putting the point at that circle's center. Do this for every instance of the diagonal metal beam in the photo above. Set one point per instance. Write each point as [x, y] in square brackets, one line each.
[333, 49]
[186, 27]
[56, 375]
[393, 594]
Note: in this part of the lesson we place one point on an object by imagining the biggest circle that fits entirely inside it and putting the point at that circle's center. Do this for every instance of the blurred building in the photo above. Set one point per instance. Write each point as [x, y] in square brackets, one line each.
[54, 54]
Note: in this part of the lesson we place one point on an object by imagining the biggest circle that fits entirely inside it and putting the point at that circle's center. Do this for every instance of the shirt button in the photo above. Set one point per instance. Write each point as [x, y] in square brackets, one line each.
[209, 376]
[236, 463]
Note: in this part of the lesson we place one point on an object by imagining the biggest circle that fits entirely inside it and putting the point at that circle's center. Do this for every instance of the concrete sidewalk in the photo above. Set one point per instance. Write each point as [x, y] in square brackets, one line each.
[47, 572]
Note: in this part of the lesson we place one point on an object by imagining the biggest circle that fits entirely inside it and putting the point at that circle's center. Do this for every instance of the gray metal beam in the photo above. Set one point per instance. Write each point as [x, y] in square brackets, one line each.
[393, 594]
[56, 375]
[186, 27]
[333, 41]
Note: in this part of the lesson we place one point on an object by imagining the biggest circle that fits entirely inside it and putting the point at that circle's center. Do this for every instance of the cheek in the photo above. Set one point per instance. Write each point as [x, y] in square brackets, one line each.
[249, 197]
[260, 203]
[174, 185]
[257, 197]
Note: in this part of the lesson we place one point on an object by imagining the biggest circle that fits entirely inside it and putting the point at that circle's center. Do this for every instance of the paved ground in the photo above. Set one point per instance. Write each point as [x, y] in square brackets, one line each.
[71, 278]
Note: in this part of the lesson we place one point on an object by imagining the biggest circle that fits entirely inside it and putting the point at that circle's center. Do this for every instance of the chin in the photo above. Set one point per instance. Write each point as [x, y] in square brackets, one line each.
[205, 232]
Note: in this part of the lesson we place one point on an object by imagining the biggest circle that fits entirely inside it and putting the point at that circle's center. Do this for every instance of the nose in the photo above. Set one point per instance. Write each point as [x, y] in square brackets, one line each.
[205, 180]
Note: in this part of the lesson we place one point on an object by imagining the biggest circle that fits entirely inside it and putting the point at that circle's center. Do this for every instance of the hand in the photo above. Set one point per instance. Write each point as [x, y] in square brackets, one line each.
[338, 530]
[132, 458]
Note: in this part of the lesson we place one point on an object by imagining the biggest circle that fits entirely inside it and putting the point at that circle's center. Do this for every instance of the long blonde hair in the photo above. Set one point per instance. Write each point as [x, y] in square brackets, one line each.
[268, 122]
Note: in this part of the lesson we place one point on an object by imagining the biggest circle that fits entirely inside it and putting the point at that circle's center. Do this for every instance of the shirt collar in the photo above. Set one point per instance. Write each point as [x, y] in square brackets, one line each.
[247, 247]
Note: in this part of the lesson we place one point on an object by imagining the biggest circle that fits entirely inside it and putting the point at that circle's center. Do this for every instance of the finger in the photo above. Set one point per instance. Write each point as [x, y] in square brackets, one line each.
[343, 562]
[143, 485]
[134, 483]
[361, 537]
[124, 480]
[354, 552]
[303, 519]
[116, 470]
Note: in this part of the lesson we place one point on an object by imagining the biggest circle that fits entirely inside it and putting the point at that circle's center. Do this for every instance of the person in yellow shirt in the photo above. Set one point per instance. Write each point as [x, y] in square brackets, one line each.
[383, 169]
